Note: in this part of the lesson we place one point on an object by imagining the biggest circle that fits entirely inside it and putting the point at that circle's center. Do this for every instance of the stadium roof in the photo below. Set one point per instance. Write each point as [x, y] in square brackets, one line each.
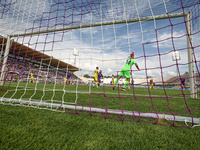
[18, 49]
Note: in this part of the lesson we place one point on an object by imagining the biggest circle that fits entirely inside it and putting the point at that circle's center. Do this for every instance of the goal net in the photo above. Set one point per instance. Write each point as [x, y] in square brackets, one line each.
[50, 50]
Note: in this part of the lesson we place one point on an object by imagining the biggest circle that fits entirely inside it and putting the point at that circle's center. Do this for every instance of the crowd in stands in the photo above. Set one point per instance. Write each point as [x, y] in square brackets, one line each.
[17, 69]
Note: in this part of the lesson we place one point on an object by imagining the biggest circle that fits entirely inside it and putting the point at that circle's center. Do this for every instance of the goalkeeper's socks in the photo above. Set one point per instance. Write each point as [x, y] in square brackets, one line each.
[125, 85]
[116, 82]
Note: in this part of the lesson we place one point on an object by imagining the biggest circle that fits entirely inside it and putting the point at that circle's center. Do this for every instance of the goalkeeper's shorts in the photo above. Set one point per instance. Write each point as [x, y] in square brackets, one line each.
[126, 73]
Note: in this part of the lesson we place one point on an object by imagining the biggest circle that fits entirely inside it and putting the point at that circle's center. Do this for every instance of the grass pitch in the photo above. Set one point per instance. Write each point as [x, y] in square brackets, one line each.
[168, 101]
[29, 128]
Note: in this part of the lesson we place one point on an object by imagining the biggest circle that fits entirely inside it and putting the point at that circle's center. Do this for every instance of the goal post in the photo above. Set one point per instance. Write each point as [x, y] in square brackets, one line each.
[161, 17]
[190, 54]
[185, 15]
[5, 58]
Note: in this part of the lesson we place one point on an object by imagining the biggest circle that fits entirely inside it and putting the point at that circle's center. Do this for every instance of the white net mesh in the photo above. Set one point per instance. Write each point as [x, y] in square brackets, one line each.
[49, 38]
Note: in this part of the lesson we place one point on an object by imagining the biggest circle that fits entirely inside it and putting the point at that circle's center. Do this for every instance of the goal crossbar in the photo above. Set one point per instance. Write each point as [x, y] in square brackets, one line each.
[108, 111]
[160, 17]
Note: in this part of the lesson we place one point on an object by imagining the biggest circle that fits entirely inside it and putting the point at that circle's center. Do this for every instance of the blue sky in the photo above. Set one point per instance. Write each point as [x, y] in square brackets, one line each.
[108, 48]
[105, 46]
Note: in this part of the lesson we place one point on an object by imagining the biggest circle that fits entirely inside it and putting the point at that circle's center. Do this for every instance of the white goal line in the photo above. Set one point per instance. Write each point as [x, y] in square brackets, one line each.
[108, 111]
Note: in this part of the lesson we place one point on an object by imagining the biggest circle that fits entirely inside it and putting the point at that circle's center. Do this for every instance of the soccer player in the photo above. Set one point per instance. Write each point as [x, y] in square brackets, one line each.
[126, 71]
[183, 83]
[132, 82]
[113, 79]
[111, 83]
[68, 78]
[151, 84]
[99, 77]
[64, 81]
[95, 77]
[31, 80]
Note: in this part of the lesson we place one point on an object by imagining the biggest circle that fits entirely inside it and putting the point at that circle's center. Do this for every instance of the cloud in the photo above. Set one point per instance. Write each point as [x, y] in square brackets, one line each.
[110, 61]
[167, 40]
[20, 17]
[109, 46]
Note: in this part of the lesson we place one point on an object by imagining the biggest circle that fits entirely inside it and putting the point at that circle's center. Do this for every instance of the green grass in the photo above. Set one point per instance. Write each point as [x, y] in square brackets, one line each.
[139, 99]
[29, 128]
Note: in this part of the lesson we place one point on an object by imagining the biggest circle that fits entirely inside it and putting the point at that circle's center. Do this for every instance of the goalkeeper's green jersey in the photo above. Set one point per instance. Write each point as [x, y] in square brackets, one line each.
[129, 64]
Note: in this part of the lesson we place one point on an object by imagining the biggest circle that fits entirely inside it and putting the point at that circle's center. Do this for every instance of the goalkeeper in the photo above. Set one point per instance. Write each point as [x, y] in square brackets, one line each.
[126, 71]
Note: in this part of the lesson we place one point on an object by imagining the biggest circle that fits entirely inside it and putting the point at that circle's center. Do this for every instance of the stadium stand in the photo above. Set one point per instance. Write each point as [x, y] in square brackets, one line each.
[52, 70]
[23, 60]
[82, 79]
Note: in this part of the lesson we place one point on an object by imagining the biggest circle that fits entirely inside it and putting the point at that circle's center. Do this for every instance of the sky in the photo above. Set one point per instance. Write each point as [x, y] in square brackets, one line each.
[104, 46]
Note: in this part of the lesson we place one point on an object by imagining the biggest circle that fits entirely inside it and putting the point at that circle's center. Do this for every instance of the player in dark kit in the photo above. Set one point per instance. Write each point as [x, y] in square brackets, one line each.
[99, 77]
[68, 78]
[183, 83]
